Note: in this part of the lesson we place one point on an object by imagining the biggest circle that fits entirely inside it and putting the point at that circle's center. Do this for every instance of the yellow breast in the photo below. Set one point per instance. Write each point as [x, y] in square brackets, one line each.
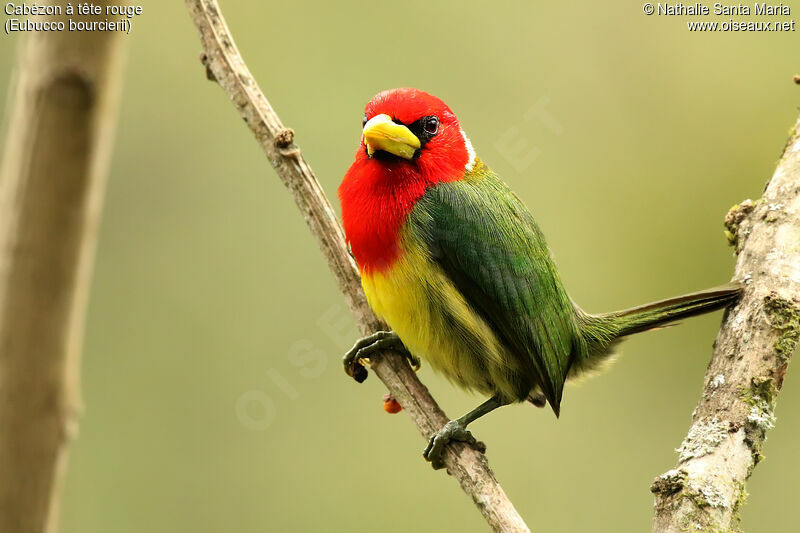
[435, 322]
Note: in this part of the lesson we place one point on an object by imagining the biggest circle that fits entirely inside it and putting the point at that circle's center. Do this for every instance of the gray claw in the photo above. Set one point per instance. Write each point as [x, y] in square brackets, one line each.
[452, 431]
[364, 347]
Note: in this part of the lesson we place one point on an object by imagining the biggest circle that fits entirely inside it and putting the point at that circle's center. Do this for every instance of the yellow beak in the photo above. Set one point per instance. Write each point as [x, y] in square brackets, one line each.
[380, 133]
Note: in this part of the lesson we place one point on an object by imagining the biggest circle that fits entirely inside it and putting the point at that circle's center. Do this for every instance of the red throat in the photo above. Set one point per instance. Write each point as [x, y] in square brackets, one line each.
[377, 194]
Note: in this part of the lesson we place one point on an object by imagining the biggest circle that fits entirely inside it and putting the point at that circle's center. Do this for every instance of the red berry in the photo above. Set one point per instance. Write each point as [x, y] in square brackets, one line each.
[390, 405]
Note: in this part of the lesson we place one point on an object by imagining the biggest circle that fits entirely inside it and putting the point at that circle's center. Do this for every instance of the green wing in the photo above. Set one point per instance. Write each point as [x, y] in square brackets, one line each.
[486, 241]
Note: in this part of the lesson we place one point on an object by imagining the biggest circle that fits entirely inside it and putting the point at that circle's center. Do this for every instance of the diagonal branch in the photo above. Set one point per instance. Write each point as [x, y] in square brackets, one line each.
[750, 359]
[224, 64]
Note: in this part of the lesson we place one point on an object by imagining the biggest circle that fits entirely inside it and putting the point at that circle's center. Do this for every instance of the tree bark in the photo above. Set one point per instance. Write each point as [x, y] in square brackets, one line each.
[225, 65]
[59, 141]
[752, 351]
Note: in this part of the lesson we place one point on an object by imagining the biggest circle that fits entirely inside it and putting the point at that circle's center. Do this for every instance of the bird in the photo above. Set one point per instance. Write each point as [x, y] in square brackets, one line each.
[454, 262]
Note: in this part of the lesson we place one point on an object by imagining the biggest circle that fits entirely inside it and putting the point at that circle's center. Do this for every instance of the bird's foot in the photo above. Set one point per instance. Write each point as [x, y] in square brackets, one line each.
[455, 430]
[380, 340]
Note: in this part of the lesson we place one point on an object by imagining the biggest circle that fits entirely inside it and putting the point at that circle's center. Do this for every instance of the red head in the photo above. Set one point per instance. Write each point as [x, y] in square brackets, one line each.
[411, 141]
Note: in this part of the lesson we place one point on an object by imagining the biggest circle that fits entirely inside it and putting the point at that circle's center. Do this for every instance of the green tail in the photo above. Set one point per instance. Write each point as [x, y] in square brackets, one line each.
[653, 315]
[601, 332]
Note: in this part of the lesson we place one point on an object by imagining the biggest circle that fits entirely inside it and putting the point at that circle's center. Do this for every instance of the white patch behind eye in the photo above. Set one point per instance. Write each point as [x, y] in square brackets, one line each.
[470, 152]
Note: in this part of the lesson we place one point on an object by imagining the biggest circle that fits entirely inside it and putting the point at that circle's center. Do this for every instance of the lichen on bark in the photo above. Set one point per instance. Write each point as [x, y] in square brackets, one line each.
[746, 372]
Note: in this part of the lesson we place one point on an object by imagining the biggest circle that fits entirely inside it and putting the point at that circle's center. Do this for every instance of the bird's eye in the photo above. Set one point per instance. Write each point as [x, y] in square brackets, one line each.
[364, 121]
[431, 125]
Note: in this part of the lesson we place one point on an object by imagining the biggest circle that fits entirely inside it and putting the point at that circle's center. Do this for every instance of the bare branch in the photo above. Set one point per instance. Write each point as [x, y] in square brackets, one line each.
[55, 163]
[751, 354]
[225, 65]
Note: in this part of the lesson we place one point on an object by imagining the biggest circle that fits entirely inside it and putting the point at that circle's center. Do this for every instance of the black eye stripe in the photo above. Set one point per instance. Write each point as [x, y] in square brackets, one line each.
[425, 128]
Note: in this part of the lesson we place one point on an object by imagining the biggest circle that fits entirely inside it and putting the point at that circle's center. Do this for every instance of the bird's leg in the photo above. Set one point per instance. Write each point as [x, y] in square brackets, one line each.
[457, 430]
[366, 346]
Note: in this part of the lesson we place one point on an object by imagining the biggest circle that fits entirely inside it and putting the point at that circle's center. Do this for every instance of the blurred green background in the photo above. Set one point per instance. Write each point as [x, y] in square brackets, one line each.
[629, 138]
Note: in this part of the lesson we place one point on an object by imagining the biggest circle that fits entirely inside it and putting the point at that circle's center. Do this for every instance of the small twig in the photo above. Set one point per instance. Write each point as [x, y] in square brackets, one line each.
[750, 359]
[225, 65]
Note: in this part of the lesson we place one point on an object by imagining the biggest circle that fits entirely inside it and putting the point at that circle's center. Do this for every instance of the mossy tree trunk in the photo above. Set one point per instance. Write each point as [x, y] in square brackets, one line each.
[751, 355]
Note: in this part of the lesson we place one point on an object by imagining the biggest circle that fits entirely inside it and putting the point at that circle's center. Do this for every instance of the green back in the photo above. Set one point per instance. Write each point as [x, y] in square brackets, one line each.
[485, 239]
